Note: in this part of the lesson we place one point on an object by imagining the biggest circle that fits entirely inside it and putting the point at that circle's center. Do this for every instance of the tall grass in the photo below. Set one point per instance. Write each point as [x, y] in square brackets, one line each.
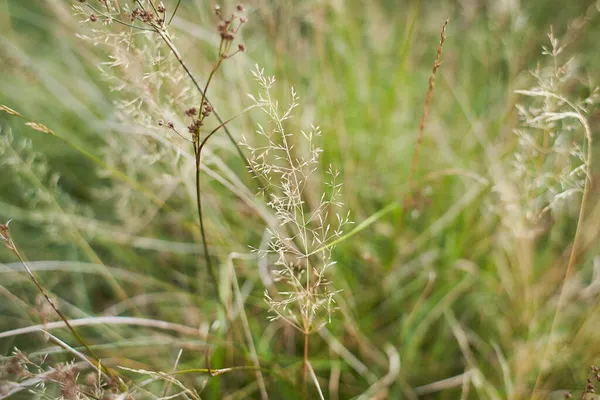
[471, 270]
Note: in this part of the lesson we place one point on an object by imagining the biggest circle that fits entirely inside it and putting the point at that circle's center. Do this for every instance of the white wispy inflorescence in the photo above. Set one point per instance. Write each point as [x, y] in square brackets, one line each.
[302, 241]
[152, 87]
[549, 165]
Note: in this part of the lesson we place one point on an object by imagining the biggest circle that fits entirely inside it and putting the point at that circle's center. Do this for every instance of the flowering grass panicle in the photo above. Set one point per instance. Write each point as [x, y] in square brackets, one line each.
[551, 161]
[302, 241]
[42, 376]
[152, 86]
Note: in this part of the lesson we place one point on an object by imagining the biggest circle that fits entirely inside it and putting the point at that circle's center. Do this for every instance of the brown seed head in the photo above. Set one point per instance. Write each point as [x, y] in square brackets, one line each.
[93, 18]
[135, 13]
[229, 36]
[91, 379]
[191, 112]
[240, 8]
[146, 16]
[4, 231]
[5, 236]
[57, 373]
[194, 127]
[15, 366]
[70, 389]
[206, 110]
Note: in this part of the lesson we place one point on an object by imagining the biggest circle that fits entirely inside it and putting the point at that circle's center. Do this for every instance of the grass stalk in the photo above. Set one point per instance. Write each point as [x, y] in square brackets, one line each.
[423, 120]
[575, 248]
[11, 245]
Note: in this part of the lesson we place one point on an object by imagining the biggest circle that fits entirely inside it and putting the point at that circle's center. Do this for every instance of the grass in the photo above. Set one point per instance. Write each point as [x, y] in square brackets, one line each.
[483, 285]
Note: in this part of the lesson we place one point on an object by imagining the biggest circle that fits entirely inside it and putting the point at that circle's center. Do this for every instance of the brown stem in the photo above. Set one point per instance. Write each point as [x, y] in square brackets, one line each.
[422, 122]
[5, 236]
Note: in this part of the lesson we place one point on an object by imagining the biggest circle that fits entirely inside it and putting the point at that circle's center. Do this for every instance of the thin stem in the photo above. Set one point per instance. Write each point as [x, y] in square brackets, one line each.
[168, 385]
[174, 12]
[198, 153]
[154, 8]
[575, 247]
[13, 247]
[248, 332]
[180, 135]
[201, 221]
[423, 121]
[212, 73]
[216, 371]
[197, 150]
[305, 368]
[141, 5]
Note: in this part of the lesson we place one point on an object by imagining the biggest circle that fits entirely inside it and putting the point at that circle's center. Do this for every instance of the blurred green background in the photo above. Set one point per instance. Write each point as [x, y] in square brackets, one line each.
[467, 304]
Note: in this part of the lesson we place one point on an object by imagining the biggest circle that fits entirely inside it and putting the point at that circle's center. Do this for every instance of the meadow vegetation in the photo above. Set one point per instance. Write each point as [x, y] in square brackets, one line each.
[299, 200]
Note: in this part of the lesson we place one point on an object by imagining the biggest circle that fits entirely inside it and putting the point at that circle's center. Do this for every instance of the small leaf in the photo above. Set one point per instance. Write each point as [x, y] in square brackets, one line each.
[9, 111]
[40, 127]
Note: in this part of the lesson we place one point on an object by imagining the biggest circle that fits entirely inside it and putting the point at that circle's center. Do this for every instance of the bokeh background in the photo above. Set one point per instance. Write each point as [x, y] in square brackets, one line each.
[458, 284]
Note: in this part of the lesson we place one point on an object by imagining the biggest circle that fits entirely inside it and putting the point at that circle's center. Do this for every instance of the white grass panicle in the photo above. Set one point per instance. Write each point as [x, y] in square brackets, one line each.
[552, 158]
[302, 242]
[154, 92]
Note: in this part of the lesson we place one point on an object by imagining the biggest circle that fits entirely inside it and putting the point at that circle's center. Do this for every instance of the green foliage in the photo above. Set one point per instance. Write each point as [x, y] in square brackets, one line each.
[481, 281]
